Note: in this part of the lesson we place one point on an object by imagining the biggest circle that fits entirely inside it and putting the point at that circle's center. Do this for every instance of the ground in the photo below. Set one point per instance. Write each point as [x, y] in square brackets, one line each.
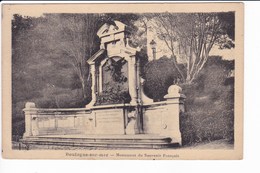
[218, 144]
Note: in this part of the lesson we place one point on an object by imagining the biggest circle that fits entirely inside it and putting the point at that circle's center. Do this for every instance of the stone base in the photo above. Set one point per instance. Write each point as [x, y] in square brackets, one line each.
[102, 141]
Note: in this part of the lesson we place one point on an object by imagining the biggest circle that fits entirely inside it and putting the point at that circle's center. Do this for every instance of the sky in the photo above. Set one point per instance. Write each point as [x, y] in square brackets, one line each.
[227, 54]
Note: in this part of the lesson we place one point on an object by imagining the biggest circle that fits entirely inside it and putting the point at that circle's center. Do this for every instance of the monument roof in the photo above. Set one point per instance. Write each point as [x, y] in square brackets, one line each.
[108, 29]
[96, 56]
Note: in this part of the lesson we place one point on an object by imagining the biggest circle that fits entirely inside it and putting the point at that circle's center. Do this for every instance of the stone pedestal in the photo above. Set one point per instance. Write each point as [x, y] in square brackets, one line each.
[132, 125]
[174, 107]
[31, 127]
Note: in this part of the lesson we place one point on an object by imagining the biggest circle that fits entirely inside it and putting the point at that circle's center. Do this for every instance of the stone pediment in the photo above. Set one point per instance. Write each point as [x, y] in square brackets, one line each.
[107, 29]
[96, 56]
[124, 51]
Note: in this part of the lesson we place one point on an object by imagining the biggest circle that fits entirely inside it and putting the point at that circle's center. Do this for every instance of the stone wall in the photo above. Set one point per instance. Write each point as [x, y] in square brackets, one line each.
[157, 119]
[109, 119]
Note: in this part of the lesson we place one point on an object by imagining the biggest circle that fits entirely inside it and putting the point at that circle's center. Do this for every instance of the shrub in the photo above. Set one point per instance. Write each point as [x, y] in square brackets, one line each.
[209, 105]
[113, 96]
[159, 75]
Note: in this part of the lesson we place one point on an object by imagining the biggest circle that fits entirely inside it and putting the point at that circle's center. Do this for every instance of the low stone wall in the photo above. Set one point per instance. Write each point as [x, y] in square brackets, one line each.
[109, 119]
[54, 121]
[163, 119]
[158, 119]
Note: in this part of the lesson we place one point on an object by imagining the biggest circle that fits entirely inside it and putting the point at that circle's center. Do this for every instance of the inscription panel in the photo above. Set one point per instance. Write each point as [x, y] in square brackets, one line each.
[46, 123]
[153, 118]
[109, 121]
[65, 122]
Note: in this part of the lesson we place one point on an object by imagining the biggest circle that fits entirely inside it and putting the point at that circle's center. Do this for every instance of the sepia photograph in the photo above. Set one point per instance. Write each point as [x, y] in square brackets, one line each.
[147, 81]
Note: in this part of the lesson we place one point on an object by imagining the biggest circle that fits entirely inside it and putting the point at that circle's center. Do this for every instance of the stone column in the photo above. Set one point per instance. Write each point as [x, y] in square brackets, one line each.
[132, 79]
[93, 86]
[174, 108]
[144, 98]
[31, 125]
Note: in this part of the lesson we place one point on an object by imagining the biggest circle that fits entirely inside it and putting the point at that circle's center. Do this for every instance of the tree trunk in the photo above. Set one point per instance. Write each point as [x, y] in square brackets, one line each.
[178, 69]
[83, 88]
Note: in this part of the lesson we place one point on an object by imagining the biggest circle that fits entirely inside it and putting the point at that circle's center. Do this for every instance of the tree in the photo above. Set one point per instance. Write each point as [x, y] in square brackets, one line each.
[49, 56]
[73, 36]
[195, 34]
[159, 75]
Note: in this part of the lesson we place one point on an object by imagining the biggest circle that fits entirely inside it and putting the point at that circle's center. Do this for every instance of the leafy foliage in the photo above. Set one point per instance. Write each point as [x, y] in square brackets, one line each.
[209, 105]
[49, 56]
[210, 110]
[49, 68]
[113, 95]
[159, 75]
[195, 34]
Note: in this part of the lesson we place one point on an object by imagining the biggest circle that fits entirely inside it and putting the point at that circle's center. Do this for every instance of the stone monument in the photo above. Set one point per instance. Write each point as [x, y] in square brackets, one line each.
[119, 114]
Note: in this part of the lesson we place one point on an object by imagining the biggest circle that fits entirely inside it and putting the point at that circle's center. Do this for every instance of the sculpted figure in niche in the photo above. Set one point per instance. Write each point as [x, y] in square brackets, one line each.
[114, 82]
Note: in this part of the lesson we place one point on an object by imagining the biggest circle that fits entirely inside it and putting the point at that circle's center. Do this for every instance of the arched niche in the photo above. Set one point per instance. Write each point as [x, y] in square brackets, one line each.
[113, 81]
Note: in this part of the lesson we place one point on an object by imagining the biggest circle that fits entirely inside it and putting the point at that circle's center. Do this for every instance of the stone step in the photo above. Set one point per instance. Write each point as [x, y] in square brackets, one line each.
[106, 141]
[102, 139]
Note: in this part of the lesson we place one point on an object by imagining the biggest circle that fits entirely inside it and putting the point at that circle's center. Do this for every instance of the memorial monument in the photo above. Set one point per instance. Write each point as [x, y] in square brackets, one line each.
[119, 115]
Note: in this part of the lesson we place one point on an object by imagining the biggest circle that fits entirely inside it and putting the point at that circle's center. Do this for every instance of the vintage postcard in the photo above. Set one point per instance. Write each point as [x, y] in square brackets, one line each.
[161, 81]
